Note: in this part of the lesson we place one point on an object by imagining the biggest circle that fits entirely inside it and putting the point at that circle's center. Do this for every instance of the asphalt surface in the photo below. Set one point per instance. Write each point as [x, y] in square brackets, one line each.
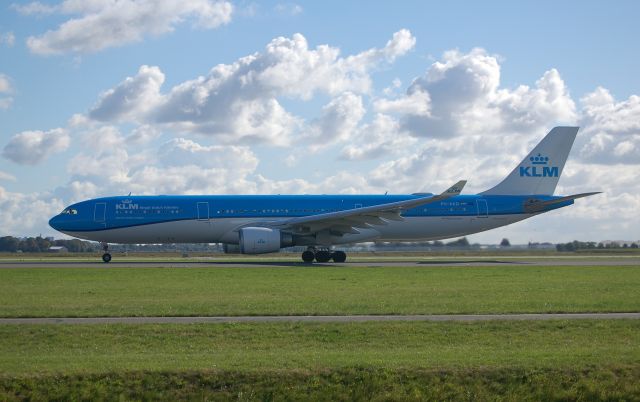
[358, 262]
[321, 318]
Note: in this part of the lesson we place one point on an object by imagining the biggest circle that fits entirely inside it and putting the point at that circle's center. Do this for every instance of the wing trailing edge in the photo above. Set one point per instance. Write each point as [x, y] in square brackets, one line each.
[348, 221]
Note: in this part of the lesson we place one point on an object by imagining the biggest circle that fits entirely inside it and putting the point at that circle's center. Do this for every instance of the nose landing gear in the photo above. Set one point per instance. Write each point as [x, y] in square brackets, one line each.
[323, 255]
[106, 257]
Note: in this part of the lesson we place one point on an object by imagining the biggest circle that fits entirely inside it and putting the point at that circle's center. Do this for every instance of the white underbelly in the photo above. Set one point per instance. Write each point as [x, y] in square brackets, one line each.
[225, 230]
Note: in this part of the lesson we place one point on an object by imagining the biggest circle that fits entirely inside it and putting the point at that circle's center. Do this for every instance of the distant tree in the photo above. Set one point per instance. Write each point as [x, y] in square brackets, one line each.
[634, 245]
[9, 243]
[577, 245]
[29, 245]
[76, 246]
[565, 247]
[505, 243]
[42, 244]
[461, 242]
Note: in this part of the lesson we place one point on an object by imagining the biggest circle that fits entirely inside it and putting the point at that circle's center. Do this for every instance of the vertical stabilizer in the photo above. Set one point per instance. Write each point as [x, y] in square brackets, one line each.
[540, 171]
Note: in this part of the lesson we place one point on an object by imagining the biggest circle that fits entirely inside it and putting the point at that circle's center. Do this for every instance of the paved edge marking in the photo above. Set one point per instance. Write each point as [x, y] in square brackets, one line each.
[320, 318]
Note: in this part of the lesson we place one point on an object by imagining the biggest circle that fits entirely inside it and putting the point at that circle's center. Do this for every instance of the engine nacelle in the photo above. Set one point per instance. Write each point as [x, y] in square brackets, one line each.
[263, 240]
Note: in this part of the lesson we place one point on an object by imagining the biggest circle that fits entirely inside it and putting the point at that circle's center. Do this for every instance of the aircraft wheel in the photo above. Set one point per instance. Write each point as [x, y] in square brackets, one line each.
[106, 257]
[339, 256]
[308, 256]
[323, 256]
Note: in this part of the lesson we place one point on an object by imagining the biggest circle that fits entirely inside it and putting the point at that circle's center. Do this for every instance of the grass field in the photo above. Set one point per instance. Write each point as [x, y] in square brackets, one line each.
[316, 290]
[617, 383]
[473, 361]
[104, 348]
[500, 360]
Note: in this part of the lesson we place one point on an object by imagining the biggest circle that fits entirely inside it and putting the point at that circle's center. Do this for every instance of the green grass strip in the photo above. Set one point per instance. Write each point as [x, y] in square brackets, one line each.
[348, 384]
[314, 290]
[73, 349]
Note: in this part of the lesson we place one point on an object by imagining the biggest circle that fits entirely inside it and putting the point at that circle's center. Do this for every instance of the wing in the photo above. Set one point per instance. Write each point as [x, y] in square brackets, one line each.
[348, 221]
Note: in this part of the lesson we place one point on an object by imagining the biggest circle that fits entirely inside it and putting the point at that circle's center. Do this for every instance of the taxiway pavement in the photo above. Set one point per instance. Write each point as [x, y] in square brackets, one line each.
[320, 318]
[357, 262]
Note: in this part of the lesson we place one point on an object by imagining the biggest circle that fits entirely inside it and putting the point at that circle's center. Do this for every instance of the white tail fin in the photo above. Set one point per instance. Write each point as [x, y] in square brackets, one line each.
[540, 171]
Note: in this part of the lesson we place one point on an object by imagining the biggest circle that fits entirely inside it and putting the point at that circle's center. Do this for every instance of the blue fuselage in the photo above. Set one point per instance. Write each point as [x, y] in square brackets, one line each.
[213, 218]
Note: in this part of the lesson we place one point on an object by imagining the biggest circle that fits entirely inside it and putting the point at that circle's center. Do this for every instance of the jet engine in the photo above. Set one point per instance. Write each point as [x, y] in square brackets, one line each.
[254, 240]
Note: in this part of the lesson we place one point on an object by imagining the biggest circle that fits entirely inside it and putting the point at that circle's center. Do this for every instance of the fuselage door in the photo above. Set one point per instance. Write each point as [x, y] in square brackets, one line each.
[483, 210]
[203, 211]
[99, 212]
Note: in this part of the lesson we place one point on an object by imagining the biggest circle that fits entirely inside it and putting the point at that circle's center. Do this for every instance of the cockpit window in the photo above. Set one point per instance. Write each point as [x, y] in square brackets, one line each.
[69, 211]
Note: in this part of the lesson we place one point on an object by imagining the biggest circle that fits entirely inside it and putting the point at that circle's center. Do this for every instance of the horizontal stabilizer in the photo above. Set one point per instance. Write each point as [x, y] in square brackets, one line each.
[533, 205]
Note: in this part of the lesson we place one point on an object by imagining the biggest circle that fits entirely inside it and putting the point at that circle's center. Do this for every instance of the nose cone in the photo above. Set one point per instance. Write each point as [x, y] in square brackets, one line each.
[55, 222]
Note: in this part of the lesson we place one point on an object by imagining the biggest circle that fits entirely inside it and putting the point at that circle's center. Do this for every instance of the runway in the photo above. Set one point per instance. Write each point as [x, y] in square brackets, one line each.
[216, 262]
[321, 318]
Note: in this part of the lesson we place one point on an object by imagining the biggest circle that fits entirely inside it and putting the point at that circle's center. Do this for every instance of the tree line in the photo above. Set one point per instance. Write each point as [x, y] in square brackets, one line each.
[591, 245]
[40, 244]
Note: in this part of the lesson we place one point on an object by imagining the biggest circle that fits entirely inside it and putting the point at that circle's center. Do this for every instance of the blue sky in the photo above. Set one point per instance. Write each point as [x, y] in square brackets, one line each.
[398, 97]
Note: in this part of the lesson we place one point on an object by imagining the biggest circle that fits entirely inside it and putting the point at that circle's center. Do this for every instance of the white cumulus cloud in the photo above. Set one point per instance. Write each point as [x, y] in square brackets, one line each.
[32, 147]
[7, 176]
[291, 9]
[5, 84]
[242, 101]
[177, 166]
[7, 38]
[380, 138]
[142, 135]
[130, 99]
[25, 214]
[35, 8]
[181, 152]
[339, 120]
[461, 94]
[99, 24]
[5, 90]
[612, 128]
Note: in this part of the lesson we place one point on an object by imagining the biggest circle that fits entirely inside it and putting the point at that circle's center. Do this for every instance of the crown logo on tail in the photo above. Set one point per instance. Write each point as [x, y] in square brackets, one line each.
[539, 159]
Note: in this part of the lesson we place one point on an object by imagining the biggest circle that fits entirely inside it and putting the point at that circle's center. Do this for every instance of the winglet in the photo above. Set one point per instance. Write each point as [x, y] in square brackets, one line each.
[450, 192]
[455, 189]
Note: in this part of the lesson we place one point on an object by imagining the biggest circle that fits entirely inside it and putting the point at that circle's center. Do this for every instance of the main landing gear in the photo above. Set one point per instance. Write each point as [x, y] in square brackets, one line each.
[323, 255]
[106, 257]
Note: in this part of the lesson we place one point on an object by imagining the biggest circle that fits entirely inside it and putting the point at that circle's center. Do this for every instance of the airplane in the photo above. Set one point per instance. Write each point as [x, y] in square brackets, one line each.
[257, 224]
